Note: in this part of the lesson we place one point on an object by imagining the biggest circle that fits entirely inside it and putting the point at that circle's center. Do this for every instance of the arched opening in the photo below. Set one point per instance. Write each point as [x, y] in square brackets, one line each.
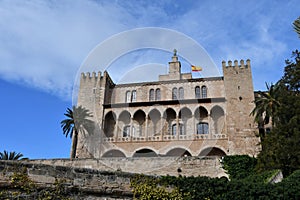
[217, 115]
[139, 119]
[109, 124]
[203, 92]
[154, 127]
[113, 153]
[170, 119]
[201, 113]
[178, 152]
[124, 123]
[128, 97]
[151, 95]
[174, 93]
[185, 116]
[181, 93]
[201, 116]
[212, 151]
[197, 92]
[157, 94]
[145, 153]
[133, 96]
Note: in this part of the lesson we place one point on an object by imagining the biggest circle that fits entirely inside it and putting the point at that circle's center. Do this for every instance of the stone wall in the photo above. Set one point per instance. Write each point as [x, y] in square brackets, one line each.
[106, 178]
[188, 166]
[85, 183]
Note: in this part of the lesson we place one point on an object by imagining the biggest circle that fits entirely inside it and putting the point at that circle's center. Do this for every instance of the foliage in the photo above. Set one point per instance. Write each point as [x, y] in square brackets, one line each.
[239, 166]
[281, 148]
[296, 25]
[11, 156]
[22, 187]
[266, 107]
[77, 122]
[145, 187]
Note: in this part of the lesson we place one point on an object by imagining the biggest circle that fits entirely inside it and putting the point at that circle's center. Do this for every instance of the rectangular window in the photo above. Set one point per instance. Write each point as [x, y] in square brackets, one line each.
[133, 99]
[202, 128]
[128, 97]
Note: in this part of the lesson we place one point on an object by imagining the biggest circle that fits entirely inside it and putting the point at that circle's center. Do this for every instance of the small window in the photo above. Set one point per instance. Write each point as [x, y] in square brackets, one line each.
[181, 129]
[202, 128]
[126, 131]
[157, 94]
[133, 131]
[181, 93]
[133, 97]
[174, 130]
[174, 93]
[151, 95]
[197, 92]
[204, 91]
[128, 97]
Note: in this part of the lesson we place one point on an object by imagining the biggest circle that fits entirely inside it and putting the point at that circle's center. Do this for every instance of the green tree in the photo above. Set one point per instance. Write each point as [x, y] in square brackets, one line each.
[11, 156]
[296, 25]
[77, 121]
[266, 107]
[281, 147]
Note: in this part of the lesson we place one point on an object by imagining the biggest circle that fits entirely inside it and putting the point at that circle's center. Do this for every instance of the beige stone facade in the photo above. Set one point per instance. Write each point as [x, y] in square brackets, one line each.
[175, 116]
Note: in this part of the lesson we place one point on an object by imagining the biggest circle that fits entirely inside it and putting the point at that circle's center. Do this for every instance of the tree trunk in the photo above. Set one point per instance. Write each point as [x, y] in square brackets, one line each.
[74, 144]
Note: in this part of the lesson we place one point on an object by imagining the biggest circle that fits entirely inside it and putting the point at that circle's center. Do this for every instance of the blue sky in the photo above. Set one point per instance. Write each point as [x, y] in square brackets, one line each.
[44, 43]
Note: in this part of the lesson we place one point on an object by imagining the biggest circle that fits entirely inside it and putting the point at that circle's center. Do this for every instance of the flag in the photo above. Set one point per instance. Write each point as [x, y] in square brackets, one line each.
[196, 68]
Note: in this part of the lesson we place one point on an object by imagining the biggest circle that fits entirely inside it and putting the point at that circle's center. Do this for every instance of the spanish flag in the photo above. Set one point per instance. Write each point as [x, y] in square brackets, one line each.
[196, 68]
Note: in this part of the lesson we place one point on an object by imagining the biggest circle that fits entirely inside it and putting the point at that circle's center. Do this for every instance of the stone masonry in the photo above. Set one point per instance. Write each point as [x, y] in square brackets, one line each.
[175, 116]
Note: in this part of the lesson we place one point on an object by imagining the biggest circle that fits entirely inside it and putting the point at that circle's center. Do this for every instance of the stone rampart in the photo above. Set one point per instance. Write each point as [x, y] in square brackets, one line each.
[87, 183]
[173, 166]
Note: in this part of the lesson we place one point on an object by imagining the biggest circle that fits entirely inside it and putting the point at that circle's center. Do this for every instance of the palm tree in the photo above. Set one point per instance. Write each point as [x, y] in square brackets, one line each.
[11, 156]
[77, 122]
[266, 107]
[296, 24]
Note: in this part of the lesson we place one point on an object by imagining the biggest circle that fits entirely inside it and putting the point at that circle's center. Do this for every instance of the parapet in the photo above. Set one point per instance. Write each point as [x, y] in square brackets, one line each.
[88, 75]
[236, 64]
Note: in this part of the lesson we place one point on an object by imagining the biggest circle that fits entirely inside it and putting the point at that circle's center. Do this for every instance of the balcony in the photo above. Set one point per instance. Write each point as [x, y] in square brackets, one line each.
[167, 138]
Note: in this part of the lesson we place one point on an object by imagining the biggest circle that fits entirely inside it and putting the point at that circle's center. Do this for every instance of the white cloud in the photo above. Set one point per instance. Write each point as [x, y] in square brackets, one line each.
[43, 43]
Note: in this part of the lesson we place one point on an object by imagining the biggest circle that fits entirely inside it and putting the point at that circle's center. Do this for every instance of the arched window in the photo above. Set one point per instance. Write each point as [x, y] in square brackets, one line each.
[174, 93]
[157, 94]
[181, 129]
[151, 95]
[133, 97]
[128, 97]
[204, 91]
[197, 92]
[126, 131]
[174, 129]
[202, 128]
[181, 93]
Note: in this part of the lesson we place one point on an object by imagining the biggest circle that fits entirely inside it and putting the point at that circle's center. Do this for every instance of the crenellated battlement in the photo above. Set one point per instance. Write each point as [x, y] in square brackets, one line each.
[91, 76]
[236, 64]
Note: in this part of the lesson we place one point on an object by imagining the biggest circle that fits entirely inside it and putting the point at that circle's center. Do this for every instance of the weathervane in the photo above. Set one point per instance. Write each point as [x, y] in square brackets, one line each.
[175, 52]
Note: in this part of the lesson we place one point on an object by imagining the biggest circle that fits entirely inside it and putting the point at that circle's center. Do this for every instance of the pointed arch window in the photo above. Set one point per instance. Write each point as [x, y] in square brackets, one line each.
[197, 92]
[151, 95]
[181, 93]
[204, 92]
[174, 93]
[157, 94]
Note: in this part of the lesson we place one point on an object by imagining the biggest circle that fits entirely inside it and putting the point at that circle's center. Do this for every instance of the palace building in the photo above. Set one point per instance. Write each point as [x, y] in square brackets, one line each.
[178, 115]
